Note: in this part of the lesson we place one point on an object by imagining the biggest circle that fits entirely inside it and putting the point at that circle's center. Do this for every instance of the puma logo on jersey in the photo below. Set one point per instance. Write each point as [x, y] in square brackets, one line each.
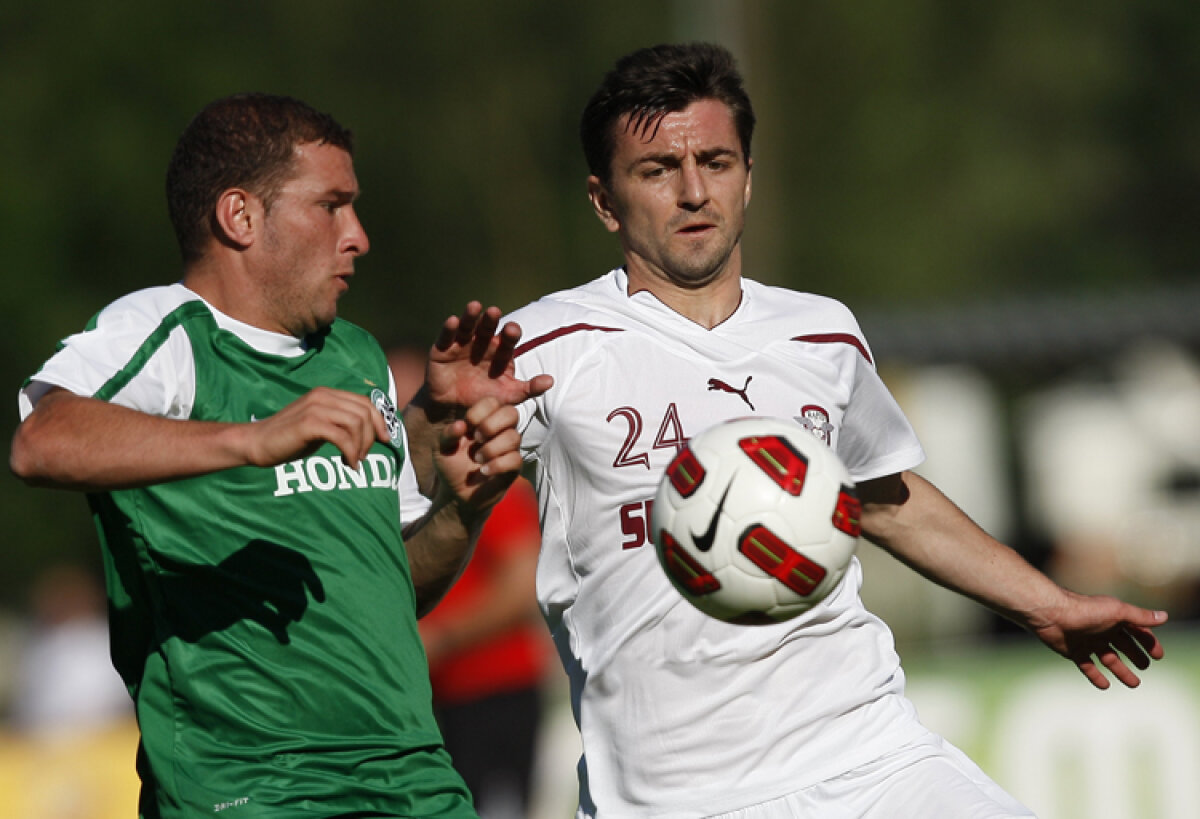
[718, 384]
[704, 542]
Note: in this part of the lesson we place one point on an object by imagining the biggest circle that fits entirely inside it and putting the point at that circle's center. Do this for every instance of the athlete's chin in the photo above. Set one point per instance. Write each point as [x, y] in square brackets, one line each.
[318, 322]
[695, 282]
[699, 268]
[696, 274]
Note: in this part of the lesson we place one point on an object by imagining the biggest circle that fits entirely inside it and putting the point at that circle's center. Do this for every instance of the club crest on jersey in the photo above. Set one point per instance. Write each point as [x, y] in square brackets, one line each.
[388, 410]
[816, 420]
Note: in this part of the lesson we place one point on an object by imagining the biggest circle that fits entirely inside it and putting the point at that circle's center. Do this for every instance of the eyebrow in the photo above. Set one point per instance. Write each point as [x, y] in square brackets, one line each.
[340, 194]
[665, 158]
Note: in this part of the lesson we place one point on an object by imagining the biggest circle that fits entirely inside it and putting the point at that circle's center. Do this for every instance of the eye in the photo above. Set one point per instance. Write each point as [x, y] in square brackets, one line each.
[334, 203]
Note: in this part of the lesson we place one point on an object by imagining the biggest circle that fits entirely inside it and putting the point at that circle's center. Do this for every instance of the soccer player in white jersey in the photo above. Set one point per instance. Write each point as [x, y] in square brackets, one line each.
[686, 716]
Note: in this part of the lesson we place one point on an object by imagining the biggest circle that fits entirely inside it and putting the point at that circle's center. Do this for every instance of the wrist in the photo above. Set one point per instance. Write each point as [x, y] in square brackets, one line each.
[470, 513]
[435, 412]
[240, 446]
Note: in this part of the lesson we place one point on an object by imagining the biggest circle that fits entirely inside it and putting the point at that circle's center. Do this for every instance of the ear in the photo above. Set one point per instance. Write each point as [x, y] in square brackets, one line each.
[602, 203]
[238, 216]
[746, 194]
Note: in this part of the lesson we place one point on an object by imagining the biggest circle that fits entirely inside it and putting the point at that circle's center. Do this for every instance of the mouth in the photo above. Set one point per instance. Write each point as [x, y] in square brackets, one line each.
[696, 229]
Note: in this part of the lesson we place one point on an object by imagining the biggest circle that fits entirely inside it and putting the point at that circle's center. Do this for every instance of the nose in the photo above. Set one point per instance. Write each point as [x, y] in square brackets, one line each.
[355, 241]
[693, 193]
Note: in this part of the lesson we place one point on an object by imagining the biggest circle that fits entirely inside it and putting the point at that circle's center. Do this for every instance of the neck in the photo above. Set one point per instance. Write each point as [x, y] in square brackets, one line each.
[707, 304]
[229, 291]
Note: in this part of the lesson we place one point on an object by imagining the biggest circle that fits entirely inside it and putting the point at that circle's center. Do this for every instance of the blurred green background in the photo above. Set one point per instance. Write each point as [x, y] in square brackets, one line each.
[910, 157]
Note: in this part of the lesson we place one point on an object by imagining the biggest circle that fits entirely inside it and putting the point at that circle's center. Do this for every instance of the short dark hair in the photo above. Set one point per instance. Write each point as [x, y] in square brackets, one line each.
[652, 82]
[245, 140]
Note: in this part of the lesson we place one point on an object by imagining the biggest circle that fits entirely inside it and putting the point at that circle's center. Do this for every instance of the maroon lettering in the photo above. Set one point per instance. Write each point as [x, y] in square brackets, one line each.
[634, 419]
[635, 523]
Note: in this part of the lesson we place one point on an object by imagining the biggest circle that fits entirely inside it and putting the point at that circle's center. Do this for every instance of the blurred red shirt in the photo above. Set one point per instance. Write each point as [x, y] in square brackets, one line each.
[516, 657]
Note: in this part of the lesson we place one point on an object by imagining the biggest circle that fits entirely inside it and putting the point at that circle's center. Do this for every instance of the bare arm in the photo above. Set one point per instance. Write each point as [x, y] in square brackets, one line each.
[476, 458]
[914, 521]
[73, 442]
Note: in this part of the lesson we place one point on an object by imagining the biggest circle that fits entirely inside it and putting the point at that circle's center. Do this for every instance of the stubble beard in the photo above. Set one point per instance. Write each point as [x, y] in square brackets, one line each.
[701, 266]
[303, 313]
[299, 304]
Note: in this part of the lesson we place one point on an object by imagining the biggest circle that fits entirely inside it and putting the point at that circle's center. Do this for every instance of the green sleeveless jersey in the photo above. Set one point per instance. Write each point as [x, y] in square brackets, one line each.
[264, 618]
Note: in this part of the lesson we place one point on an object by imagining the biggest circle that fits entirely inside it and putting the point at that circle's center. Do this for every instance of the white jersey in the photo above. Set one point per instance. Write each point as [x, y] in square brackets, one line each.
[682, 715]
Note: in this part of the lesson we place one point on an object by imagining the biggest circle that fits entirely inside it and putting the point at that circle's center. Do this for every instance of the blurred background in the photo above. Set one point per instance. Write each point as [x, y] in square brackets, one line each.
[1008, 195]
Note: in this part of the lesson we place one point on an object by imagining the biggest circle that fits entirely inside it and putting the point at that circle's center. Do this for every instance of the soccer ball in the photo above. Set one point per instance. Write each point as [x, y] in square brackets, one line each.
[755, 520]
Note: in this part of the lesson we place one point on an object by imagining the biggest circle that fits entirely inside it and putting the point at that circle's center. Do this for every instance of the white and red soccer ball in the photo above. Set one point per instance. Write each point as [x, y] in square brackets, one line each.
[756, 520]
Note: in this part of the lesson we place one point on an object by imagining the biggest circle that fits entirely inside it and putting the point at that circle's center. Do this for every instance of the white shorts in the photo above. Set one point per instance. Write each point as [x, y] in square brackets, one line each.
[930, 779]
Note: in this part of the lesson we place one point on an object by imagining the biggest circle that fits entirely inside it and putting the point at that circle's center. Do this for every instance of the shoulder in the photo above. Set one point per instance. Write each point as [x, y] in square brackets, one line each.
[576, 314]
[810, 310]
[150, 306]
[347, 340]
[135, 352]
[805, 317]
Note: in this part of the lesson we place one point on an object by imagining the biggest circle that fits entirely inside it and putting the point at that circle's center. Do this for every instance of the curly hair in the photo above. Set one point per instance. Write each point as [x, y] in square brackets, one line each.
[247, 141]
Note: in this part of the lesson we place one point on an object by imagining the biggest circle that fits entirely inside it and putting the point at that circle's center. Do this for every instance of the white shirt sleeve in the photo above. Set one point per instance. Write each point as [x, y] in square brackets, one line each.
[413, 505]
[107, 357]
[876, 438]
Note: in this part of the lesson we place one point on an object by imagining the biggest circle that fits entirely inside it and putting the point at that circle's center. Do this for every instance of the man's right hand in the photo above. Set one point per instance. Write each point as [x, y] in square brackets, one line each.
[347, 420]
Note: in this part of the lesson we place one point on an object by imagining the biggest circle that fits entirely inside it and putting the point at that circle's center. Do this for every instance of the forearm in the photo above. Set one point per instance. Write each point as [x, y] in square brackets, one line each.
[439, 547]
[469, 461]
[424, 422]
[910, 518]
[73, 442]
[922, 528]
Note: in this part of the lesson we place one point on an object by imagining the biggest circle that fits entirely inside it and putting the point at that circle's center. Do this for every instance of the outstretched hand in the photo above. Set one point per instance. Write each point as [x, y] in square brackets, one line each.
[1085, 629]
[471, 361]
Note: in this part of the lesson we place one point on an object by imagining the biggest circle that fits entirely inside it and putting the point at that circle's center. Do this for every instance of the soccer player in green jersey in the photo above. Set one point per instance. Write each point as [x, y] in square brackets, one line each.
[271, 528]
